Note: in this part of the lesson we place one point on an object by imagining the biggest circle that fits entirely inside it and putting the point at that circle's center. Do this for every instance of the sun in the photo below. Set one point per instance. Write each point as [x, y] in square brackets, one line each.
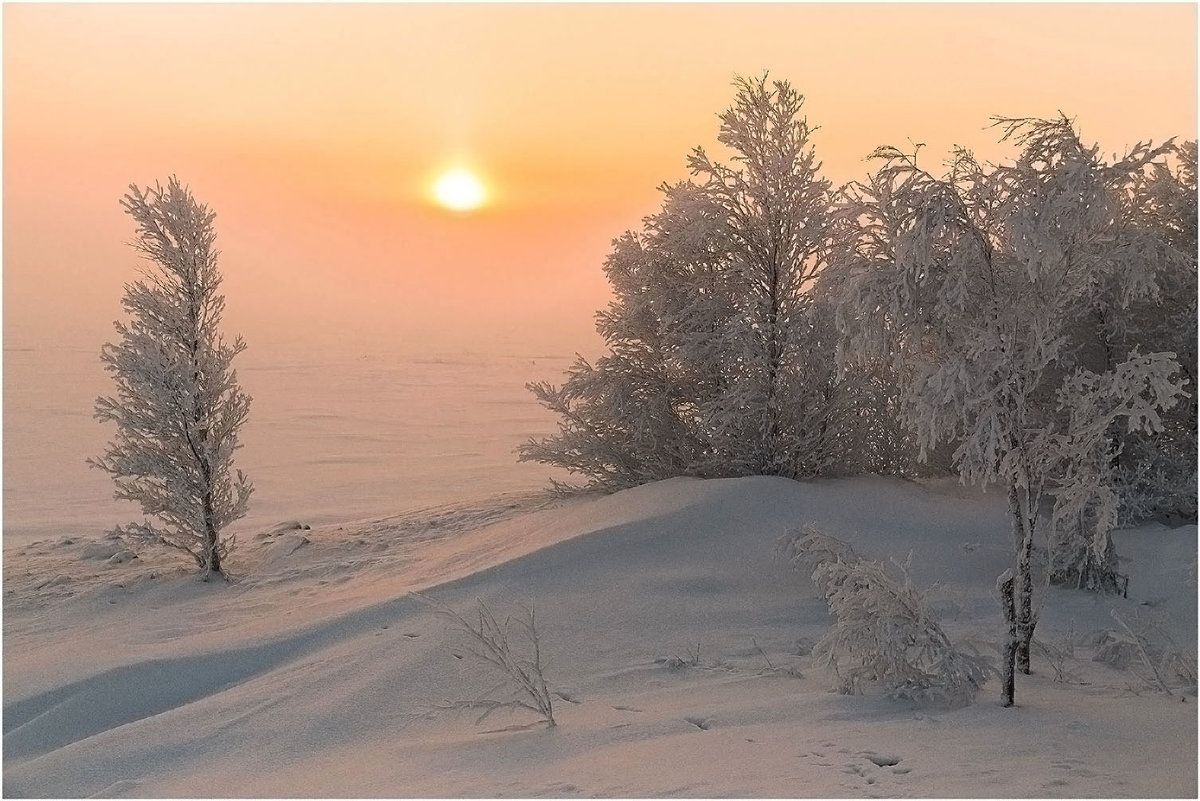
[459, 190]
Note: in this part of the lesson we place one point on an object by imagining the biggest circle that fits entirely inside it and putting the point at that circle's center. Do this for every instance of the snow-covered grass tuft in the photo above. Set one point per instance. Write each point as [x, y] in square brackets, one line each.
[884, 631]
[1143, 636]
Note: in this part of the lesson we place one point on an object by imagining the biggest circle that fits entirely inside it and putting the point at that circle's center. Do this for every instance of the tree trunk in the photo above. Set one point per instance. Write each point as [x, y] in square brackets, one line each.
[771, 461]
[212, 553]
[1024, 522]
[1014, 517]
[212, 541]
[1025, 618]
[769, 458]
[1004, 584]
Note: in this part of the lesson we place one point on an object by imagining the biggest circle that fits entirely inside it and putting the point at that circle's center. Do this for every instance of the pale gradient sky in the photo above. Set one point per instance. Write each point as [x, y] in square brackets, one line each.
[314, 132]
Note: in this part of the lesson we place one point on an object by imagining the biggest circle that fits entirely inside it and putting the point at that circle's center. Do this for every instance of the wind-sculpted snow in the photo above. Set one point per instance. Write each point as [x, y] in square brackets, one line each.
[673, 637]
[82, 709]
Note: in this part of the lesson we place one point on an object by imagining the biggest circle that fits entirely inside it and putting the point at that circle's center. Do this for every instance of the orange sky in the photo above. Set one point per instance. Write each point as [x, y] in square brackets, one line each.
[314, 131]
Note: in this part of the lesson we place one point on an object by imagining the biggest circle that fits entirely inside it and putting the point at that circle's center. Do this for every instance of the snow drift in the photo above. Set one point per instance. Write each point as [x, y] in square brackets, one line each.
[675, 642]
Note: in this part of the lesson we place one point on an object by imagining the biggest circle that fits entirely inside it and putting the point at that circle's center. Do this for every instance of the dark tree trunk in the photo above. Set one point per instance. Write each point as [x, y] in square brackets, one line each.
[1025, 618]
[771, 462]
[1024, 514]
[1005, 585]
[212, 552]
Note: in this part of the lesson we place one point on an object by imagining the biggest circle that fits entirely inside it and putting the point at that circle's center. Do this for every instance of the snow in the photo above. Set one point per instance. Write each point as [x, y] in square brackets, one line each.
[663, 613]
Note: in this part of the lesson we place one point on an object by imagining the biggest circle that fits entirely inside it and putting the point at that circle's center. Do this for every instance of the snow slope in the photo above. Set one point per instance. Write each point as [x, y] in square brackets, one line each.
[674, 638]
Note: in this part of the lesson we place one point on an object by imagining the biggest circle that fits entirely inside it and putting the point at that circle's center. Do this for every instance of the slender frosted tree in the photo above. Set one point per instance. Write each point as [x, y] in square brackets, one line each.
[972, 284]
[774, 205]
[178, 407]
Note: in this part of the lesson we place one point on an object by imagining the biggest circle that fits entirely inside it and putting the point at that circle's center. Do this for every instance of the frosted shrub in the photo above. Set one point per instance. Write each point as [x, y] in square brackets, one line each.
[884, 632]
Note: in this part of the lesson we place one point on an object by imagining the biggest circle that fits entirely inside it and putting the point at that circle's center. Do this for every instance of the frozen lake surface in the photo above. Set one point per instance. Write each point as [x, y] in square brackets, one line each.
[330, 437]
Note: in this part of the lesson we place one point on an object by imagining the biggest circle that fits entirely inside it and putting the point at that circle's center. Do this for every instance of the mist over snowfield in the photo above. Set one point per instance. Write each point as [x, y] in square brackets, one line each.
[769, 583]
[307, 676]
[334, 434]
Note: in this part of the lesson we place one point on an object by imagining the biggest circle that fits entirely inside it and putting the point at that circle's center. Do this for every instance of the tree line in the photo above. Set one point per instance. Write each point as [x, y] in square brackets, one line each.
[1029, 324]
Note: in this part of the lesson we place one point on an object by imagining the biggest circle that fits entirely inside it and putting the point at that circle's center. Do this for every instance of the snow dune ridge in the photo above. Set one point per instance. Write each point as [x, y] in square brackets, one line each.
[674, 638]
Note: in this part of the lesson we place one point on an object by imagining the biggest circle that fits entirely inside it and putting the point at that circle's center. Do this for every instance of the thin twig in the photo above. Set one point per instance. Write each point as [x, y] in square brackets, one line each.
[489, 642]
[1141, 644]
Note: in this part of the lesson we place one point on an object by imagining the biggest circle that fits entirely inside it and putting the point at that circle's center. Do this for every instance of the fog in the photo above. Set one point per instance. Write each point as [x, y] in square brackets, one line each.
[314, 133]
[329, 440]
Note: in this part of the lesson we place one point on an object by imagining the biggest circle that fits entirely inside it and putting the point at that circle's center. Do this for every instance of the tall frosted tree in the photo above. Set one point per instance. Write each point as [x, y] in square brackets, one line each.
[719, 344]
[178, 407]
[972, 285]
[774, 206]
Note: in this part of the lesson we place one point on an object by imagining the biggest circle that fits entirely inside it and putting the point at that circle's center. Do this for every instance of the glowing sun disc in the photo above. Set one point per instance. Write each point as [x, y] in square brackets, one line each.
[459, 190]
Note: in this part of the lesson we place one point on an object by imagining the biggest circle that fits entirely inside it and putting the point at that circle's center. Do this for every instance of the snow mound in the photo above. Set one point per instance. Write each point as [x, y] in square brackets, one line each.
[673, 639]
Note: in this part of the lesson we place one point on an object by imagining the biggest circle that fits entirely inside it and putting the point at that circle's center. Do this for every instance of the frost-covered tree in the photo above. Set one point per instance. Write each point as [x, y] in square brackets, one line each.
[774, 207]
[633, 416]
[1086, 491]
[178, 407]
[1156, 474]
[971, 285]
[720, 347]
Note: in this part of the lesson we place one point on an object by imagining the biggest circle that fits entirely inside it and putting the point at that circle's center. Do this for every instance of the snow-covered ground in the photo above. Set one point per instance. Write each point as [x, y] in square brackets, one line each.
[673, 636]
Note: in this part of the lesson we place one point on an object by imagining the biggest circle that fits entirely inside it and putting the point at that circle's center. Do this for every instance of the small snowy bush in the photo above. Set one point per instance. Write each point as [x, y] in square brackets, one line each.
[884, 631]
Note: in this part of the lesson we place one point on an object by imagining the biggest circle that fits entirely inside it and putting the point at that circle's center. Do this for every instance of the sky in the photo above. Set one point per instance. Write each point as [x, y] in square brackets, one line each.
[316, 131]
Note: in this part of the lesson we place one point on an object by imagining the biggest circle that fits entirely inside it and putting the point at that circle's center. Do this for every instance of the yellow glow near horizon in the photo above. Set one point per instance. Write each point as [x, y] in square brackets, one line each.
[302, 126]
[459, 190]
